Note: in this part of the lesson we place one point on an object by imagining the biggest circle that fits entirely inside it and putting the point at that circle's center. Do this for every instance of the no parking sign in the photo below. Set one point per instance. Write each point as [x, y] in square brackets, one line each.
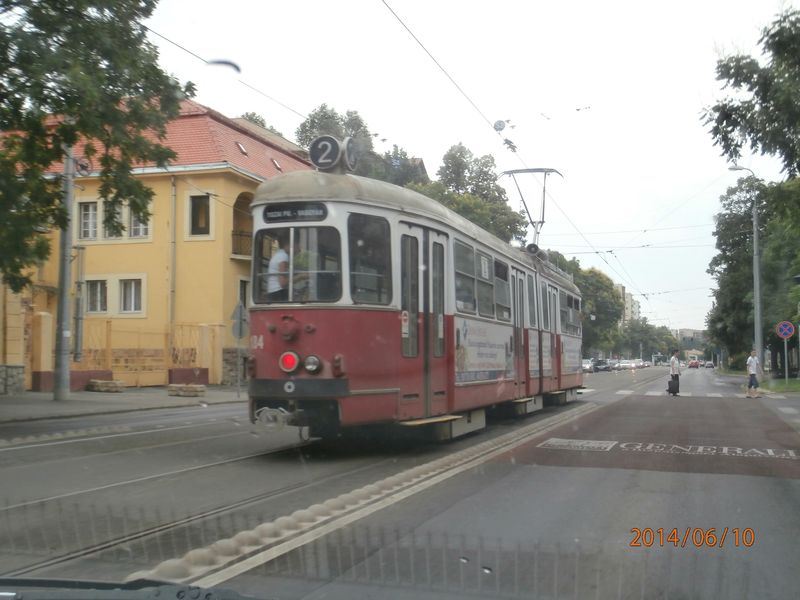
[785, 330]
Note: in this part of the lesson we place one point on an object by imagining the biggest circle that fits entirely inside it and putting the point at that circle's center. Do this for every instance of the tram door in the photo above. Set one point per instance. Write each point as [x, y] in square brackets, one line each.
[518, 346]
[423, 367]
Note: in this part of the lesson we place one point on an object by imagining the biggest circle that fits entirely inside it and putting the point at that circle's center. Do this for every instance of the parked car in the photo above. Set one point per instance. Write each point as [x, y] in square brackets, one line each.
[626, 364]
[709, 364]
[588, 365]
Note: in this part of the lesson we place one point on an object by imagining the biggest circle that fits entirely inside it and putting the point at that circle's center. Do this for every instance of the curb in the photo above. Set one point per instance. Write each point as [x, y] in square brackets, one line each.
[101, 412]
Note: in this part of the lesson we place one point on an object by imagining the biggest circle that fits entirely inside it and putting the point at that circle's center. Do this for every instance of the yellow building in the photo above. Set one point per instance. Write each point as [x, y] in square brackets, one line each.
[155, 303]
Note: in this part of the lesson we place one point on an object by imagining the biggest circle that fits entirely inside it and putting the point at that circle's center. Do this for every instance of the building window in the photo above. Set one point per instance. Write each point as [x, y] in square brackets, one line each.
[109, 208]
[96, 296]
[130, 295]
[138, 228]
[201, 215]
[88, 220]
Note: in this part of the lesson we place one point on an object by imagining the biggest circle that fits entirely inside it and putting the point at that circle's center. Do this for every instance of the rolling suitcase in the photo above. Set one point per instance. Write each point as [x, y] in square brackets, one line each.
[672, 387]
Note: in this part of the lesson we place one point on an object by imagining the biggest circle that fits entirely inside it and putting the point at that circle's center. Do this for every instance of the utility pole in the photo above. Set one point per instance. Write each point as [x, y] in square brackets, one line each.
[63, 333]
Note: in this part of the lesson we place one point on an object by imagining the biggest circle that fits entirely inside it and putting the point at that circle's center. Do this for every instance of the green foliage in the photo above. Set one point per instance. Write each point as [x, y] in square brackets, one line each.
[601, 300]
[257, 119]
[764, 112]
[639, 335]
[465, 178]
[88, 64]
[395, 166]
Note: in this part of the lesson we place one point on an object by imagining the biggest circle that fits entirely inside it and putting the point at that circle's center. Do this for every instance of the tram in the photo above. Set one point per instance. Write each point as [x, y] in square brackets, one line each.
[375, 306]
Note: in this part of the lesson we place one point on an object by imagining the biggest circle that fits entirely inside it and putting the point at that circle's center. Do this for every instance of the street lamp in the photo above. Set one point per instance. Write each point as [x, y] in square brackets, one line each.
[756, 274]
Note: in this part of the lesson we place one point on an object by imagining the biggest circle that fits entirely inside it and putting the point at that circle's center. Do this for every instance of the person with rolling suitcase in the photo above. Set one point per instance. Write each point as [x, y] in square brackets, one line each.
[673, 384]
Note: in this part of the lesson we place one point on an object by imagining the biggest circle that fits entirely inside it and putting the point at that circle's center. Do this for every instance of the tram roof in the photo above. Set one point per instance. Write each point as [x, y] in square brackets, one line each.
[316, 185]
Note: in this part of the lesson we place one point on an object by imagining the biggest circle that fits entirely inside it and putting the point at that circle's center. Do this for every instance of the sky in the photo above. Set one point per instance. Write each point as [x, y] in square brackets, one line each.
[611, 94]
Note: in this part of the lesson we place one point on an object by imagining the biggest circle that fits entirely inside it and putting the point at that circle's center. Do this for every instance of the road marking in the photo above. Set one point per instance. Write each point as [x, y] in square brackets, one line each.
[714, 395]
[663, 448]
[653, 393]
[566, 444]
[776, 396]
[625, 392]
[788, 410]
[586, 390]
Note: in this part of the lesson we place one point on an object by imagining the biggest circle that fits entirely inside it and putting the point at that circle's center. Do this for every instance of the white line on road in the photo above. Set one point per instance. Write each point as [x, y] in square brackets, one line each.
[625, 392]
[654, 393]
[788, 410]
[714, 395]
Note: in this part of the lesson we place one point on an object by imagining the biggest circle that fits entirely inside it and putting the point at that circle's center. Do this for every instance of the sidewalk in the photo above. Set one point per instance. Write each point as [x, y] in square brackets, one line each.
[32, 406]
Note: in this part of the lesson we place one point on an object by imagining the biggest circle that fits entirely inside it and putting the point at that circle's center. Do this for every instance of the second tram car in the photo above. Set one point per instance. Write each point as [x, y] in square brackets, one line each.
[375, 305]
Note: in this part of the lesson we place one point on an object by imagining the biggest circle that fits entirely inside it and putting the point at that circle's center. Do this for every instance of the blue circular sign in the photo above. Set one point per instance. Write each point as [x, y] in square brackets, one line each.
[785, 330]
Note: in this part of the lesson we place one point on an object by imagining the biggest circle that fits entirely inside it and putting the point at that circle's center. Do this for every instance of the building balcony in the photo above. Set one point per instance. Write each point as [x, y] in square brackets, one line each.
[242, 243]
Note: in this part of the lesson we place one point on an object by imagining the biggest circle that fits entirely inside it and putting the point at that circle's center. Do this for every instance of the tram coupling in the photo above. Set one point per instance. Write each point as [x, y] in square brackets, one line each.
[278, 418]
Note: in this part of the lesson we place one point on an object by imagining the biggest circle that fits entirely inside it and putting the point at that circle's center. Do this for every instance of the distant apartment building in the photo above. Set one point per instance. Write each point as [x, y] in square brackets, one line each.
[632, 310]
[155, 302]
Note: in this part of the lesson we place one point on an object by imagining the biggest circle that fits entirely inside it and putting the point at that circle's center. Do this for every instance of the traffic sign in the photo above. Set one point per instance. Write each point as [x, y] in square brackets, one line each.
[239, 318]
[784, 329]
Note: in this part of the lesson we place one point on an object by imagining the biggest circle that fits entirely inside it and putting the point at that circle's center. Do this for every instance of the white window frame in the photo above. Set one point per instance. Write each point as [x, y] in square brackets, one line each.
[90, 231]
[92, 294]
[122, 295]
[137, 229]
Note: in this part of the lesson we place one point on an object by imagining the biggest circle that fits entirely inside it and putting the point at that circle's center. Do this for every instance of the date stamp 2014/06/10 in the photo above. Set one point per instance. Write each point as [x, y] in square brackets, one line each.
[694, 537]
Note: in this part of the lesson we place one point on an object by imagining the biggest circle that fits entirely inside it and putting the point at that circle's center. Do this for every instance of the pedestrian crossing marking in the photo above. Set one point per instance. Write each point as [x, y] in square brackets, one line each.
[585, 390]
[624, 392]
[652, 393]
[788, 410]
[714, 395]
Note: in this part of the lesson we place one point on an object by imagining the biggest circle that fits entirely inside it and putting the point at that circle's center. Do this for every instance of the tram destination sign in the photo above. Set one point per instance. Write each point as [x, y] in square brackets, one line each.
[295, 211]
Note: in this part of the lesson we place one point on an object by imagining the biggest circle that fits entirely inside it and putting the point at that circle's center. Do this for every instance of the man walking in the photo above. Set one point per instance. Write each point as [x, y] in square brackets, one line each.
[675, 372]
[753, 369]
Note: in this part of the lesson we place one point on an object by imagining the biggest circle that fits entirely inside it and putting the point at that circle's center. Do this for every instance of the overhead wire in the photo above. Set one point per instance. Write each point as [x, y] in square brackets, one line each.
[510, 146]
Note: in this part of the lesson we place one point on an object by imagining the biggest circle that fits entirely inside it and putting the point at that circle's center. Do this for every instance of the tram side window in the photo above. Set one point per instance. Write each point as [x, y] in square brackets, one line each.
[297, 264]
[545, 307]
[572, 323]
[484, 268]
[502, 295]
[465, 277]
[531, 301]
[409, 292]
[370, 259]
[564, 306]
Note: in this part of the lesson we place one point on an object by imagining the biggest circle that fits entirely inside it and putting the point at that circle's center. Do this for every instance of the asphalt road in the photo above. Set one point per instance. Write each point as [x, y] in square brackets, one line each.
[558, 515]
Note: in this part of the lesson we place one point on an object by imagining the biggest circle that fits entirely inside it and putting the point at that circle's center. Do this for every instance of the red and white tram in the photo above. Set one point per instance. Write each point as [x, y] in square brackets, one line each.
[375, 305]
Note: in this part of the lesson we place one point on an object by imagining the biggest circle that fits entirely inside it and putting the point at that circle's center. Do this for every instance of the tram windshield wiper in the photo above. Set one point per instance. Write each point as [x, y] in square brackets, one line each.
[140, 589]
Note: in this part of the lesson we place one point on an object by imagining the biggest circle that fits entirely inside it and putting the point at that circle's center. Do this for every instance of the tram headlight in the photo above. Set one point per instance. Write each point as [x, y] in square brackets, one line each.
[312, 364]
[288, 362]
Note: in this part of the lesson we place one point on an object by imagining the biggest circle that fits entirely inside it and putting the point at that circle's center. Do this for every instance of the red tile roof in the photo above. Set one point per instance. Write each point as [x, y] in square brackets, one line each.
[201, 135]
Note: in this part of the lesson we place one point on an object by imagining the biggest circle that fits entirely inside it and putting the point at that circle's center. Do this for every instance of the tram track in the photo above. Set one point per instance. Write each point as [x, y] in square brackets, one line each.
[174, 526]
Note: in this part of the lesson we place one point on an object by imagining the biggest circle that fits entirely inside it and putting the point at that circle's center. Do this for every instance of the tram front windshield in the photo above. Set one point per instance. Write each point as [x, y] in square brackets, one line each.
[298, 264]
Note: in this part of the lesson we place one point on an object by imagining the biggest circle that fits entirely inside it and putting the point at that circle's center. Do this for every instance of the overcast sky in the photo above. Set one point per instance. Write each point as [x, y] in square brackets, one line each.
[609, 93]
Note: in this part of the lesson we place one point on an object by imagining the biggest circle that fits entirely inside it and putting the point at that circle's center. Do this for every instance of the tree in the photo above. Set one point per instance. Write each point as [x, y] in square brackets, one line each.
[463, 174]
[765, 112]
[325, 120]
[70, 71]
[257, 119]
[401, 170]
[601, 309]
